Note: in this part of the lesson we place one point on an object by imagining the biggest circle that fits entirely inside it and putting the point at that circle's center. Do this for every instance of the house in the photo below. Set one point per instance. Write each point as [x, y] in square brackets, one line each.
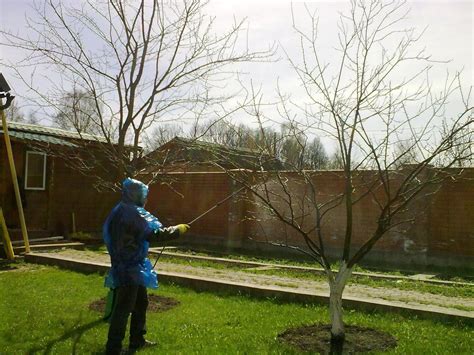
[53, 190]
[183, 154]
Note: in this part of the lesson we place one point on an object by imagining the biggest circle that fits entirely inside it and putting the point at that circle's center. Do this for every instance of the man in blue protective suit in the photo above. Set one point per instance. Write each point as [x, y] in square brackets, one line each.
[127, 232]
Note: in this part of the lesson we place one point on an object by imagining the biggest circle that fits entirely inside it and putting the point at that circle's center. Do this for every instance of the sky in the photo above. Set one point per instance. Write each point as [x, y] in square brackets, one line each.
[448, 36]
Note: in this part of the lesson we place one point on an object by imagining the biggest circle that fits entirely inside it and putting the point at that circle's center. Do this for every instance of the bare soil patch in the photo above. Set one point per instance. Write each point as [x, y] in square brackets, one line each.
[317, 338]
[155, 304]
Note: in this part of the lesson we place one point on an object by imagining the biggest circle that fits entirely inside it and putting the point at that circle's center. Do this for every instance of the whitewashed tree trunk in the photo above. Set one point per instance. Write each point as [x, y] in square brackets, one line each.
[336, 286]
[335, 311]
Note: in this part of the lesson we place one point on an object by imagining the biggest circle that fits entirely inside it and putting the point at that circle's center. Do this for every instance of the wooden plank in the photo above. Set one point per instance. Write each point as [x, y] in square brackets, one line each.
[39, 240]
[7, 244]
[72, 245]
[24, 231]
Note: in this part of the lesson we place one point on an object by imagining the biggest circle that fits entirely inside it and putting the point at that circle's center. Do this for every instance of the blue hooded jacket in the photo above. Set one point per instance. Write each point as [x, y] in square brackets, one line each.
[126, 232]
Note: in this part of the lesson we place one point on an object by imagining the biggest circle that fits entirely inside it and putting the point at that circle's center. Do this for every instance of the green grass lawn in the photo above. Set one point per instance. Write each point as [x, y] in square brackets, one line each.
[45, 310]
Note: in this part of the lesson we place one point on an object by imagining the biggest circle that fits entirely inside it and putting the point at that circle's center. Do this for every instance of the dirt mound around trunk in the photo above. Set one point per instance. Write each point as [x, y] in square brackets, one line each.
[155, 304]
[317, 338]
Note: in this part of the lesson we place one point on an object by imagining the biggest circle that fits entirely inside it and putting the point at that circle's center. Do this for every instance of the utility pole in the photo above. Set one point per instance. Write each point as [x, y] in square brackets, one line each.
[4, 93]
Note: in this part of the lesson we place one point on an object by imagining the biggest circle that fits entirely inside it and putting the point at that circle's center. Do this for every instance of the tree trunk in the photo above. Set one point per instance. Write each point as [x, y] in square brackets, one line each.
[336, 287]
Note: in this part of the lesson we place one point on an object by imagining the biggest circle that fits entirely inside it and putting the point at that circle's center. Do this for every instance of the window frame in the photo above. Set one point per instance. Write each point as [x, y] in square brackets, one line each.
[43, 188]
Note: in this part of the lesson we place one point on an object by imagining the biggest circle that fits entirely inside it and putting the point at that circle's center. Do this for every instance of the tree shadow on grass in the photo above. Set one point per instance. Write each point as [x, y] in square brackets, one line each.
[75, 333]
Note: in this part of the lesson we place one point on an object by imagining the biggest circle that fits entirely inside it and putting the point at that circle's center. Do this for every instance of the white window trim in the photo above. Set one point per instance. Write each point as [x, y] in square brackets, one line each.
[44, 171]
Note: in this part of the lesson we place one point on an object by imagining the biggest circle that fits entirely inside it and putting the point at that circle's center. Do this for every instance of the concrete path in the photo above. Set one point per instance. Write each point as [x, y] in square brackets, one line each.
[354, 294]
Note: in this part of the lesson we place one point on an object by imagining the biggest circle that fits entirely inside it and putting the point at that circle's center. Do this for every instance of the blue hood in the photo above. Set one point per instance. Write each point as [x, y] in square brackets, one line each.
[134, 191]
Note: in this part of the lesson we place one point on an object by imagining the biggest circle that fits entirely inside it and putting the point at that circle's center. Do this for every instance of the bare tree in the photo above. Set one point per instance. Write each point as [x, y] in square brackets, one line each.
[404, 152]
[335, 161]
[224, 133]
[299, 151]
[14, 114]
[366, 100]
[316, 157]
[77, 111]
[162, 134]
[140, 61]
[293, 144]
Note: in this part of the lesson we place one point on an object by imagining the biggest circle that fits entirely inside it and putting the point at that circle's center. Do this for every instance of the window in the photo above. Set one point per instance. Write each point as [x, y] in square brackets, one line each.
[35, 171]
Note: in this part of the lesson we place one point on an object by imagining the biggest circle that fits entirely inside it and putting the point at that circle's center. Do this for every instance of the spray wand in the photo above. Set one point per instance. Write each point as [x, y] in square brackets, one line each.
[202, 215]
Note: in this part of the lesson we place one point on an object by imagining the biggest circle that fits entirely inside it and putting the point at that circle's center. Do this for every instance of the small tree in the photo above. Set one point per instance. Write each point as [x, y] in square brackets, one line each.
[138, 62]
[362, 90]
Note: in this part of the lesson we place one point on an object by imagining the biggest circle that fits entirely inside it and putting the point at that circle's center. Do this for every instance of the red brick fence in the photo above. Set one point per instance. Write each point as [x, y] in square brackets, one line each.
[442, 233]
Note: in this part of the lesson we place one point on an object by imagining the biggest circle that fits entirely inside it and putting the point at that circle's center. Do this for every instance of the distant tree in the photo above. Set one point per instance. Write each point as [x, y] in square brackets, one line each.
[292, 146]
[78, 111]
[222, 132]
[336, 161]
[162, 134]
[14, 114]
[315, 157]
[296, 150]
[299, 151]
[405, 152]
[32, 118]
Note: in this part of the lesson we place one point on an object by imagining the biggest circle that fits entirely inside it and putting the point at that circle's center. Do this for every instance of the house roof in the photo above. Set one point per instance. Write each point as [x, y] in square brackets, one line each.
[30, 132]
[180, 150]
[28, 137]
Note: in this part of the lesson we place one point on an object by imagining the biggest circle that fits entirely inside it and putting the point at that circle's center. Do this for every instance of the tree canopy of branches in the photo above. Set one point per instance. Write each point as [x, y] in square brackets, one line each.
[138, 62]
[369, 98]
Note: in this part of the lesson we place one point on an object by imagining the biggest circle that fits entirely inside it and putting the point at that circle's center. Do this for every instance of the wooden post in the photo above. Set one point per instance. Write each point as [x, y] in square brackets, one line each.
[24, 232]
[7, 243]
[73, 224]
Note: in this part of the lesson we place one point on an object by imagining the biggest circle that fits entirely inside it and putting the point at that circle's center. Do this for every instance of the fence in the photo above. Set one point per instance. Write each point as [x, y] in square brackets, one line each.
[442, 232]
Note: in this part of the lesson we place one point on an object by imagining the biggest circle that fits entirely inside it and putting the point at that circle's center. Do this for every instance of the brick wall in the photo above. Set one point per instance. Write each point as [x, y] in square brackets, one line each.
[442, 231]
[451, 218]
[179, 198]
